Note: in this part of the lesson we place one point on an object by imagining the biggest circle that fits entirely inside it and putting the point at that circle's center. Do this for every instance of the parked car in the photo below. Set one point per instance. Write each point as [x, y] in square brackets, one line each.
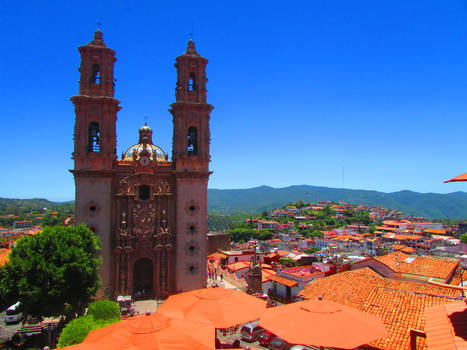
[14, 313]
[279, 344]
[250, 331]
[265, 338]
[303, 347]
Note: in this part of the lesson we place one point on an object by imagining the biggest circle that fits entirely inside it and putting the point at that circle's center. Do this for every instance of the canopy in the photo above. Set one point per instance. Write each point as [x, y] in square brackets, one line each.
[150, 332]
[323, 323]
[462, 177]
[222, 307]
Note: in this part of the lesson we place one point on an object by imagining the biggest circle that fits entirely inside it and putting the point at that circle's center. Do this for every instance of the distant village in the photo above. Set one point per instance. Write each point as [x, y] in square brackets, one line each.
[384, 267]
[374, 259]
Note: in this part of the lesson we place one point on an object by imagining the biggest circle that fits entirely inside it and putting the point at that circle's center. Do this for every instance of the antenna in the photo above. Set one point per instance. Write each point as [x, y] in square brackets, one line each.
[343, 177]
[145, 120]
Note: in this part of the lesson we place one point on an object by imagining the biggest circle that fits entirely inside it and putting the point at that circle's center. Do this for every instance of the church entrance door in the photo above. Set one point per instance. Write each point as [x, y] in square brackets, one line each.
[143, 277]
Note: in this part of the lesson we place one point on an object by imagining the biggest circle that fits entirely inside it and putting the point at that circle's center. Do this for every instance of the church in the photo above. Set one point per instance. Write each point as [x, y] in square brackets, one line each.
[149, 212]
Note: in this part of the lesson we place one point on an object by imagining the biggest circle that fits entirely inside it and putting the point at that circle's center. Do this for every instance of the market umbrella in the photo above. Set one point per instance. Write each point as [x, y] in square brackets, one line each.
[462, 177]
[222, 307]
[323, 323]
[148, 332]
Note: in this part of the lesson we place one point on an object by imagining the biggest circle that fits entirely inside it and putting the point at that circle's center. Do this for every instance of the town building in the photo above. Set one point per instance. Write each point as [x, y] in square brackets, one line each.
[150, 213]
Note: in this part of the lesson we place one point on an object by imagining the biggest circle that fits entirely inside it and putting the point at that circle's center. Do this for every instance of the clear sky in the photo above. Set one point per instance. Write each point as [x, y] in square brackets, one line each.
[356, 94]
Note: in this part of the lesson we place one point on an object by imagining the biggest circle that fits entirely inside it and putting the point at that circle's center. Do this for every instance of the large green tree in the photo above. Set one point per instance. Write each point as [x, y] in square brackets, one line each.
[54, 272]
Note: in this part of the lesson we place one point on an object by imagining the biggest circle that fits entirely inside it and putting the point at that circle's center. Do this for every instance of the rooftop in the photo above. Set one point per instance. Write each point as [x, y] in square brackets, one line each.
[400, 304]
[419, 265]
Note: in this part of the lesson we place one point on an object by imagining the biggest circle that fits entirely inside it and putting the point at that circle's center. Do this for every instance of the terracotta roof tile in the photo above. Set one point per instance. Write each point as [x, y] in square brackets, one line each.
[282, 280]
[420, 265]
[459, 277]
[4, 252]
[400, 304]
[446, 326]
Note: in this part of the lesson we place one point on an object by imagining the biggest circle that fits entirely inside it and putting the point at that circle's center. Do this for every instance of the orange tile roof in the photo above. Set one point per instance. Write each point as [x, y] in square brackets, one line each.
[435, 231]
[427, 266]
[400, 304]
[446, 326]
[408, 250]
[266, 273]
[459, 277]
[239, 265]
[282, 280]
[4, 252]
[216, 256]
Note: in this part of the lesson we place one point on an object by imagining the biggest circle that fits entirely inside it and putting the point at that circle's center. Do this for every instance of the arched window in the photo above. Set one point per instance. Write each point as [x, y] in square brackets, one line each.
[96, 75]
[94, 138]
[192, 144]
[192, 82]
[144, 193]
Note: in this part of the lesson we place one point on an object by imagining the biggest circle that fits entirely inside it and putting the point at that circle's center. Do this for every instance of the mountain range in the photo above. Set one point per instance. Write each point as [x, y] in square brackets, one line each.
[255, 200]
[431, 205]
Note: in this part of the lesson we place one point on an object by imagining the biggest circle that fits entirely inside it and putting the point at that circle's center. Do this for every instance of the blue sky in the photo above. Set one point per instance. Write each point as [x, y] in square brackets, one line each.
[304, 91]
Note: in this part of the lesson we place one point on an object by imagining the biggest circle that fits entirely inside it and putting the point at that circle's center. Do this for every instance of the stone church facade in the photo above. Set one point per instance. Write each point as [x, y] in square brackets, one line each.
[150, 213]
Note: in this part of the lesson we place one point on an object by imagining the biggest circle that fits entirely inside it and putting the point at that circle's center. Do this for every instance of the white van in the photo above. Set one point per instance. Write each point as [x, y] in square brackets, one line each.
[14, 313]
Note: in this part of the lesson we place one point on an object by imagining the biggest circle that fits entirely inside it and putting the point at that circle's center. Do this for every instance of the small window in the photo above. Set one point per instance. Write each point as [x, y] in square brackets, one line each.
[94, 137]
[192, 141]
[144, 193]
[96, 75]
[191, 82]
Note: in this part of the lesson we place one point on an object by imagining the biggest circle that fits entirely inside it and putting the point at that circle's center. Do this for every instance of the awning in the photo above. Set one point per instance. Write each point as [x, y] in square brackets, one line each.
[462, 177]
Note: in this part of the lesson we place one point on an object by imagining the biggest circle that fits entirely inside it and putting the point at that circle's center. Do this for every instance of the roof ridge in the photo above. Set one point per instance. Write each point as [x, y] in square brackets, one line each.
[419, 293]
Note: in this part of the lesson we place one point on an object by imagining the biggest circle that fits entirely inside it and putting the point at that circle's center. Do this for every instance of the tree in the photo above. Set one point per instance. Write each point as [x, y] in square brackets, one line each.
[53, 272]
[463, 238]
[299, 204]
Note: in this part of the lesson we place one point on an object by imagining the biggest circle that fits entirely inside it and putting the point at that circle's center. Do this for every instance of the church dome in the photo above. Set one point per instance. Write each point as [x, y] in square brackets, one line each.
[155, 152]
[145, 144]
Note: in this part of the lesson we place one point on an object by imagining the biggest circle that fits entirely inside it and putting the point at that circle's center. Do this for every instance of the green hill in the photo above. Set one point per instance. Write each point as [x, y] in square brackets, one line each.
[430, 205]
[20, 206]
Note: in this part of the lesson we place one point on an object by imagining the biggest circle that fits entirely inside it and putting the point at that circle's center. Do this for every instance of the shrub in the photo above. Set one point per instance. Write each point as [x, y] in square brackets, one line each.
[104, 310]
[79, 328]
[76, 331]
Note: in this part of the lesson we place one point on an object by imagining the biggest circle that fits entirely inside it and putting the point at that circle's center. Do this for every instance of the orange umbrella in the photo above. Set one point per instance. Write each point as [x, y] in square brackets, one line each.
[154, 331]
[323, 323]
[462, 177]
[224, 308]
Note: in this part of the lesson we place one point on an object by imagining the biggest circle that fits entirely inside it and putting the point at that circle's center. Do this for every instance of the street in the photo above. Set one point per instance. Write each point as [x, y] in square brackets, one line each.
[7, 330]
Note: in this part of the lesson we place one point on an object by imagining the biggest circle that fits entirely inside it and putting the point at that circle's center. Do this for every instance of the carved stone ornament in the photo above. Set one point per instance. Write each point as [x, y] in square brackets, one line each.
[192, 268]
[145, 215]
[192, 208]
[192, 248]
[163, 189]
[92, 209]
[191, 228]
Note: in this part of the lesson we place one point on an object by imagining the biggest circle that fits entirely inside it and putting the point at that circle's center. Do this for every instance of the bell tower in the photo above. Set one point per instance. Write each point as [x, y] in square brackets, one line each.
[190, 155]
[95, 143]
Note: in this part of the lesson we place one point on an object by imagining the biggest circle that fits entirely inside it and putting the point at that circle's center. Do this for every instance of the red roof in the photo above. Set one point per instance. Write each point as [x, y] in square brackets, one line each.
[427, 266]
[282, 280]
[238, 266]
[446, 326]
[4, 252]
[400, 304]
